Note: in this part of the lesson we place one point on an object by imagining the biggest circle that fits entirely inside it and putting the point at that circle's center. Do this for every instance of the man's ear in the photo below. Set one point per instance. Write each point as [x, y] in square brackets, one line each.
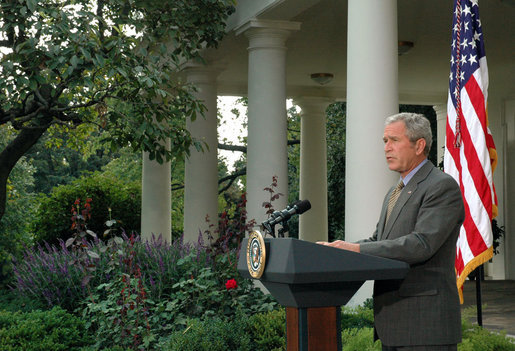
[420, 145]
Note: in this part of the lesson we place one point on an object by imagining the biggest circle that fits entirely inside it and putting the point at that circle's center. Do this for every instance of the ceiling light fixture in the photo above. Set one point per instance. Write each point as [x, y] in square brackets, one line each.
[403, 47]
[322, 78]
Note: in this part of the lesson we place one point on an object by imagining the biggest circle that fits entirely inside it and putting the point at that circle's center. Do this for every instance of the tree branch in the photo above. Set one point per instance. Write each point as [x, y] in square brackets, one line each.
[231, 178]
[13, 152]
[232, 147]
[243, 149]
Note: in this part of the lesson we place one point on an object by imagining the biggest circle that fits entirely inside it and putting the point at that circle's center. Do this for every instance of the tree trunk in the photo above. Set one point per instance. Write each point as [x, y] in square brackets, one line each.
[12, 153]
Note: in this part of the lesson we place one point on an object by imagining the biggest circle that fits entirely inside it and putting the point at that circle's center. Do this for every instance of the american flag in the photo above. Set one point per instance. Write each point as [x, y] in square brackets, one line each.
[470, 154]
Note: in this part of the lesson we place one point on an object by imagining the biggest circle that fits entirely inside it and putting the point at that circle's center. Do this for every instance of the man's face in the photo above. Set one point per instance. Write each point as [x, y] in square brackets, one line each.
[401, 154]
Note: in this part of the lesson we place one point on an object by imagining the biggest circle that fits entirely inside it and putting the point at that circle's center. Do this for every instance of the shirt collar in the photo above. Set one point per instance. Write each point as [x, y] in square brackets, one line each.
[410, 175]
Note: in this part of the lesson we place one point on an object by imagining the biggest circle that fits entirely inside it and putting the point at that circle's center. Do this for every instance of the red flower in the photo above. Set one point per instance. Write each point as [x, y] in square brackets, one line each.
[231, 284]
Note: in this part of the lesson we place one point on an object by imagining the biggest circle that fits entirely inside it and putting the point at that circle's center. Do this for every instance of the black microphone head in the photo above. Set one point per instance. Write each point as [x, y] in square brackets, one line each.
[302, 206]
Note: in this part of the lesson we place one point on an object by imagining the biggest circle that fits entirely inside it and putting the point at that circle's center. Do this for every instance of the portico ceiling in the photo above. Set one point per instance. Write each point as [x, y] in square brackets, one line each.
[321, 46]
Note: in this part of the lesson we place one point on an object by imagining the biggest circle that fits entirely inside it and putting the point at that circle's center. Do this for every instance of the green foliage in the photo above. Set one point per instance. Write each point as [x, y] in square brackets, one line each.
[200, 292]
[42, 330]
[476, 338]
[268, 330]
[263, 331]
[14, 225]
[53, 217]
[479, 339]
[213, 335]
[87, 62]
[336, 127]
[105, 67]
[60, 164]
[357, 317]
[359, 339]
[12, 301]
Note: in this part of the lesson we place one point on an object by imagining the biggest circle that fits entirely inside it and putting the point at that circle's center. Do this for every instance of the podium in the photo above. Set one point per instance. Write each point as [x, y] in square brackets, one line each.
[312, 281]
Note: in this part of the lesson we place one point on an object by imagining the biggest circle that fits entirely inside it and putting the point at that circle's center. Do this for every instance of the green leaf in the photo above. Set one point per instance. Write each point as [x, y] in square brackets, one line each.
[74, 61]
[31, 4]
[86, 53]
[99, 59]
[93, 254]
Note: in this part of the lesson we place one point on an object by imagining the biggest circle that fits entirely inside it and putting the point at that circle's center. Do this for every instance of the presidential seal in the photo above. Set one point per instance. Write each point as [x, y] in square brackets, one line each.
[256, 254]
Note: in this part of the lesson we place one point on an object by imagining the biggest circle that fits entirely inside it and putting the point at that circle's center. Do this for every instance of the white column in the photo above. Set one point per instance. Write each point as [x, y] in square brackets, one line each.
[509, 188]
[156, 199]
[201, 172]
[372, 95]
[313, 168]
[267, 140]
[441, 123]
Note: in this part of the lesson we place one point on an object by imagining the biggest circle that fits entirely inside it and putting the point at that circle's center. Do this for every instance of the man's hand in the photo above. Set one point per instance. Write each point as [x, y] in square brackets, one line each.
[340, 244]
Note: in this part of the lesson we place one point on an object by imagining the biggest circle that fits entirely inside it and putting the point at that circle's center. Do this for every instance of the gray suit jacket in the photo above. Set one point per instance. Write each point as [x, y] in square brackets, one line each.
[423, 308]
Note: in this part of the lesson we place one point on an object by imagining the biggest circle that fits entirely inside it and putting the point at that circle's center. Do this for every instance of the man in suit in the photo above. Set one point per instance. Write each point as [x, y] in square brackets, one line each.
[420, 312]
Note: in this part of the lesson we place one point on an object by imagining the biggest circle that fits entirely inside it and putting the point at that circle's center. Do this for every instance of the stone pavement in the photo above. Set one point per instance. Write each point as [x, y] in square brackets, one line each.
[498, 301]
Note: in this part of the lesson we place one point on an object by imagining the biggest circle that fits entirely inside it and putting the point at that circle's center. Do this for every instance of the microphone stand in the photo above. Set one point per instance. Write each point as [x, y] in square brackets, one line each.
[270, 228]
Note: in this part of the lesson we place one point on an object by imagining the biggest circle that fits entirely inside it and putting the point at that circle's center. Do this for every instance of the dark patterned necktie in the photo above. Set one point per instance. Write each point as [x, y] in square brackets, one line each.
[393, 199]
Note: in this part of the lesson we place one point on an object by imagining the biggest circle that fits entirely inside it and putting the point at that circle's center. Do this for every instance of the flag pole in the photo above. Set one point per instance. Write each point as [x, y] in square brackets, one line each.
[479, 275]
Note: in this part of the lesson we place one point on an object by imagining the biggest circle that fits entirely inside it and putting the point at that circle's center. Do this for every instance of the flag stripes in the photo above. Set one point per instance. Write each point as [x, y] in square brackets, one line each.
[470, 156]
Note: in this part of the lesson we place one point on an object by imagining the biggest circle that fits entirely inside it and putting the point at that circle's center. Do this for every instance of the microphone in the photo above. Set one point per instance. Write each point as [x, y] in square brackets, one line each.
[298, 207]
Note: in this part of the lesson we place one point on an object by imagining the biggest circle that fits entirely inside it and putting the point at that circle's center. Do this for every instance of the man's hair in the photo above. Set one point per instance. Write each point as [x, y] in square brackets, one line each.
[417, 126]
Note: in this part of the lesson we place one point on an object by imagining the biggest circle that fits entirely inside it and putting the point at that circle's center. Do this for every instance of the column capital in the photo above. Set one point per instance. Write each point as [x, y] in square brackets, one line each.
[313, 104]
[267, 33]
[255, 23]
[441, 111]
[202, 74]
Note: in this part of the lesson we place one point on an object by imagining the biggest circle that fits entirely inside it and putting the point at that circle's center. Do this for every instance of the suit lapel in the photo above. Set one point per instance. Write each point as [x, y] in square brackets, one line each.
[406, 194]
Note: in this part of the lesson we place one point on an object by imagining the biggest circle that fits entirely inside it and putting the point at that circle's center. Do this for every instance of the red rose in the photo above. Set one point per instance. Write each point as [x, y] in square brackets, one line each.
[231, 284]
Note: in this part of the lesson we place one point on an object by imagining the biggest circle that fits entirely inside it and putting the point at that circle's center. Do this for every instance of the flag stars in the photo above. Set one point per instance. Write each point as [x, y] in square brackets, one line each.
[474, 2]
[477, 35]
[466, 26]
[462, 75]
[450, 76]
[473, 44]
[463, 60]
[466, 10]
[453, 45]
[456, 27]
[472, 59]
[464, 43]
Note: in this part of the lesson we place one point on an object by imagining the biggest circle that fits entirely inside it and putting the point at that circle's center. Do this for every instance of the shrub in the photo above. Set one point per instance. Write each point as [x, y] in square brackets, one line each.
[110, 198]
[268, 330]
[180, 282]
[12, 301]
[357, 317]
[19, 209]
[262, 331]
[53, 275]
[359, 339]
[164, 285]
[213, 335]
[42, 330]
[476, 338]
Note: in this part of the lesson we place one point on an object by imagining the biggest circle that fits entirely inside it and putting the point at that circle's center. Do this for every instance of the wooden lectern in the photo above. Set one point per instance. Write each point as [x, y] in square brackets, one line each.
[312, 281]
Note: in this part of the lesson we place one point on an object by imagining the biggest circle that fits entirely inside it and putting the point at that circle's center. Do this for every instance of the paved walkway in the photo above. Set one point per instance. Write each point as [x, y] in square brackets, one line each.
[498, 301]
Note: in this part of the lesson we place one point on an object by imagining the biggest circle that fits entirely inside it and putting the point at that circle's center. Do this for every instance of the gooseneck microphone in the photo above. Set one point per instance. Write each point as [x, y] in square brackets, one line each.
[277, 217]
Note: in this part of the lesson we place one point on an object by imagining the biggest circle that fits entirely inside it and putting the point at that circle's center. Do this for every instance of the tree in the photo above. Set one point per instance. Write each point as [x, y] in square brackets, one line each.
[14, 227]
[336, 124]
[80, 65]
